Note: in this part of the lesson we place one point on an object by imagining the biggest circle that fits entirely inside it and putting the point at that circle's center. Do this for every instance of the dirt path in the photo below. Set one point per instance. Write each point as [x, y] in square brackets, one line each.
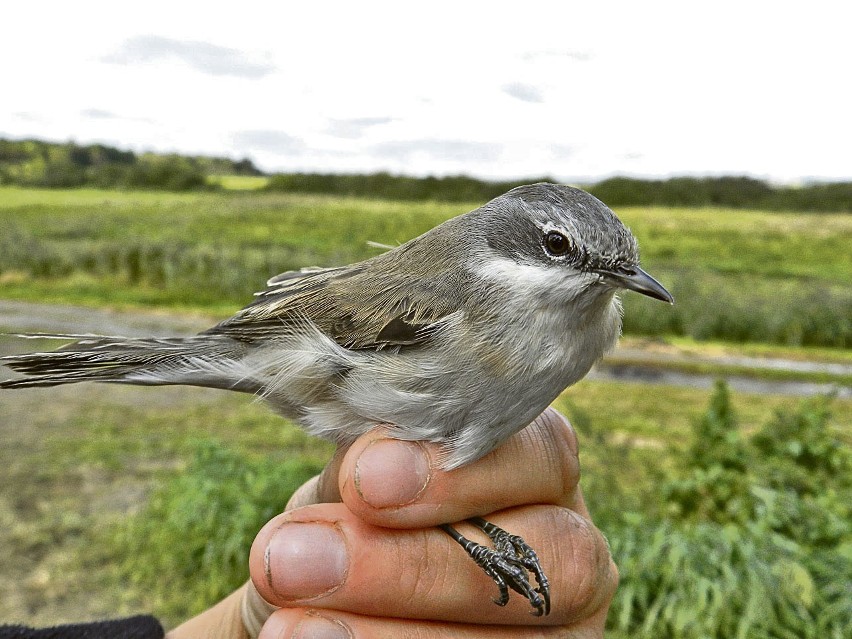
[27, 317]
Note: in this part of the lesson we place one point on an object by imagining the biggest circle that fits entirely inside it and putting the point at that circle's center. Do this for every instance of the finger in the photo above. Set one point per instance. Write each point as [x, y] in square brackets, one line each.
[322, 488]
[396, 483]
[324, 556]
[305, 623]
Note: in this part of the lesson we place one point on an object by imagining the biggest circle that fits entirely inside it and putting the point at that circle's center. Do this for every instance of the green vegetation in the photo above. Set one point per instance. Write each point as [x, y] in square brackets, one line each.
[64, 165]
[75, 543]
[215, 508]
[736, 535]
[458, 188]
[728, 192]
[88, 473]
[238, 182]
[736, 275]
[46, 164]
[729, 521]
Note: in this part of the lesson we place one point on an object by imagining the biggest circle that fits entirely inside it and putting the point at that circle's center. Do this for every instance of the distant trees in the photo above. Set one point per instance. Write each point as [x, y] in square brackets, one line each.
[734, 192]
[168, 172]
[726, 191]
[458, 188]
[45, 164]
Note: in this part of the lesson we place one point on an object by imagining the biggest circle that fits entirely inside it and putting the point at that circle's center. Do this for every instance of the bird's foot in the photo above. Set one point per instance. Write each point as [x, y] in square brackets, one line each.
[508, 564]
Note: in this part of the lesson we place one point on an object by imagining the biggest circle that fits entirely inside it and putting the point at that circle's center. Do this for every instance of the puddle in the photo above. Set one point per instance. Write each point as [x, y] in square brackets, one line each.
[667, 377]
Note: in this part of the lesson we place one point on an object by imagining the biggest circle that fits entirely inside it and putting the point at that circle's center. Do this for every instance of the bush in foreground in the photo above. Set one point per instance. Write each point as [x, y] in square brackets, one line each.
[189, 546]
[745, 537]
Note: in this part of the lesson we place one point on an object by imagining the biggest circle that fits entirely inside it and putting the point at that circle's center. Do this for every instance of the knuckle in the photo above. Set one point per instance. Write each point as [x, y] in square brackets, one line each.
[561, 448]
[585, 564]
[614, 579]
[562, 428]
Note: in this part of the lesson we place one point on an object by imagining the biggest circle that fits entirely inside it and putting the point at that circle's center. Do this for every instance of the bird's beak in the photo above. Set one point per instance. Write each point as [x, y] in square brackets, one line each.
[635, 279]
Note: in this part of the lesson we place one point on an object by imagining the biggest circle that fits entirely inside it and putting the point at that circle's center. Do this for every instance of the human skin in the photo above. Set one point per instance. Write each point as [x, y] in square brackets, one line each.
[357, 555]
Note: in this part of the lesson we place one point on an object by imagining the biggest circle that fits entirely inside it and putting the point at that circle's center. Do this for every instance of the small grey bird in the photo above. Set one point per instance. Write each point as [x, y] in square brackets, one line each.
[461, 336]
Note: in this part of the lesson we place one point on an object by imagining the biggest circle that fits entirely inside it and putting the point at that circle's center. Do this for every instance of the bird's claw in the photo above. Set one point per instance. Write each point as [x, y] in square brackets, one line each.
[508, 564]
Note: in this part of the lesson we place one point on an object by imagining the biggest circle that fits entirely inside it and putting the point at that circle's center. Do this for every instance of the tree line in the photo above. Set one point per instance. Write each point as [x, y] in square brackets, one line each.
[68, 165]
[726, 191]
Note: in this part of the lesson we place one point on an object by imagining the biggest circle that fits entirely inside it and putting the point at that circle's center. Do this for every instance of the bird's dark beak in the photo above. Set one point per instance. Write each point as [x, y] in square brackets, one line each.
[635, 279]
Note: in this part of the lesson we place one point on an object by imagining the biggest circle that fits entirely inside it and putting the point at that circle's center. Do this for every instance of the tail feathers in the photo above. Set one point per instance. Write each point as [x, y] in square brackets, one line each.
[202, 360]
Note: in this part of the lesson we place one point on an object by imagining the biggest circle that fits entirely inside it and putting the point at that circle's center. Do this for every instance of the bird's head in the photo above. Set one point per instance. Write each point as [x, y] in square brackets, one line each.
[562, 241]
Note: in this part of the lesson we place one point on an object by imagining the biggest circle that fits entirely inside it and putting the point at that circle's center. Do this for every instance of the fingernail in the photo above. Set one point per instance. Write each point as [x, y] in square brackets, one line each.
[305, 560]
[313, 626]
[391, 472]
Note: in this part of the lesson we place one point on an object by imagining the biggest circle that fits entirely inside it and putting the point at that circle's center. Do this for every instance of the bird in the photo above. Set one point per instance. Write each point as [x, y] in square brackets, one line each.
[460, 336]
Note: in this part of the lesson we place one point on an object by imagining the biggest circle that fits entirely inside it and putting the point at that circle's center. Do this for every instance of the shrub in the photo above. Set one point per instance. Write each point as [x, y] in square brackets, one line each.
[758, 539]
[706, 581]
[714, 484]
[169, 172]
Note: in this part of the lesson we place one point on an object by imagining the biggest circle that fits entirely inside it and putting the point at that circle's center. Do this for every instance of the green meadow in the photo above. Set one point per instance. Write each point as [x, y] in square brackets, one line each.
[742, 276]
[728, 513]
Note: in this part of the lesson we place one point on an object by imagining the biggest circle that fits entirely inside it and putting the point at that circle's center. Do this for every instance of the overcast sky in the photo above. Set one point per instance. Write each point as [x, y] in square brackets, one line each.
[574, 90]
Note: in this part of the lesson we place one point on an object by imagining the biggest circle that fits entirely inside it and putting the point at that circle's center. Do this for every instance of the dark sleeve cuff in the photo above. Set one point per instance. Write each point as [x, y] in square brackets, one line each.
[140, 627]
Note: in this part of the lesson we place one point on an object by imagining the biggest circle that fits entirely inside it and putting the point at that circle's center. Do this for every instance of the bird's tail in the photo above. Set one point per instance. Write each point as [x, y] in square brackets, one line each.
[201, 360]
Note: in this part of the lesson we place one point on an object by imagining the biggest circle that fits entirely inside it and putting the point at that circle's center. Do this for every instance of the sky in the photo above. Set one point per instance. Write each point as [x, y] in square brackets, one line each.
[577, 91]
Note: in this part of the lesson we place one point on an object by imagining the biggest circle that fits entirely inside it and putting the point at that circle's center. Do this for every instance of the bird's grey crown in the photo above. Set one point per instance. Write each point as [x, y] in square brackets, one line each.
[519, 219]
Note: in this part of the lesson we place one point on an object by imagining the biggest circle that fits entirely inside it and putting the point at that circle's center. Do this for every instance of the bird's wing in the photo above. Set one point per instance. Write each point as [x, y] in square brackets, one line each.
[358, 306]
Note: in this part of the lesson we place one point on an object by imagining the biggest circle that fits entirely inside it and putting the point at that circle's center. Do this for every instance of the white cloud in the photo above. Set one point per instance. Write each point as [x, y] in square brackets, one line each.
[201, 56]
[270, 141]
[523, 92]
[354, 127]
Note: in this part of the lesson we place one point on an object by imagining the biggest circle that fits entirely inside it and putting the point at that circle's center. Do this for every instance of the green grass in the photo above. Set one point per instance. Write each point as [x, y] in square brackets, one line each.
[761, 244]
[737, 525]
[659, 415]
[648, 420]
[215, 509]
[711, 348]
[239, 182]
[742, 276]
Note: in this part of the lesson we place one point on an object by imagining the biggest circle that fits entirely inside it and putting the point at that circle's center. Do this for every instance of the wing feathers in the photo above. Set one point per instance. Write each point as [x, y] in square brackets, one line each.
[359, 307]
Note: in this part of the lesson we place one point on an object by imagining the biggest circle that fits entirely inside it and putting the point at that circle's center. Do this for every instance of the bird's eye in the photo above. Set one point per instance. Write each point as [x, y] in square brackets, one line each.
[556, 244]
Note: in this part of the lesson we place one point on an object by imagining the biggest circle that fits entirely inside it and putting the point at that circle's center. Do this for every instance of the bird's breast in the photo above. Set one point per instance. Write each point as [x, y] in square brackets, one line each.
[551, 345]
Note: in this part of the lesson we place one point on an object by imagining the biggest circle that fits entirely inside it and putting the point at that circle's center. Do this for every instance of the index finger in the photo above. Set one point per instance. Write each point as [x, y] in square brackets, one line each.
[399, 484]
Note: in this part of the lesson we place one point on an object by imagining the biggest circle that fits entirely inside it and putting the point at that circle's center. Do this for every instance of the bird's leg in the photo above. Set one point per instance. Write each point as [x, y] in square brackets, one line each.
[507, 564]
[515, 545]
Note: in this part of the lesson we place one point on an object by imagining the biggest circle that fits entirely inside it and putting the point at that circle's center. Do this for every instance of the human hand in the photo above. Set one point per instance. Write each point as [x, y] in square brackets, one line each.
[376, 566]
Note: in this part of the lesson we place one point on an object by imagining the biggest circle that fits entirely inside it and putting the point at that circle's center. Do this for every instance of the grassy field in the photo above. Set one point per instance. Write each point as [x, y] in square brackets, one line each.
[88, 475]
[77, 468]
[239, 182]
[742, 276]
